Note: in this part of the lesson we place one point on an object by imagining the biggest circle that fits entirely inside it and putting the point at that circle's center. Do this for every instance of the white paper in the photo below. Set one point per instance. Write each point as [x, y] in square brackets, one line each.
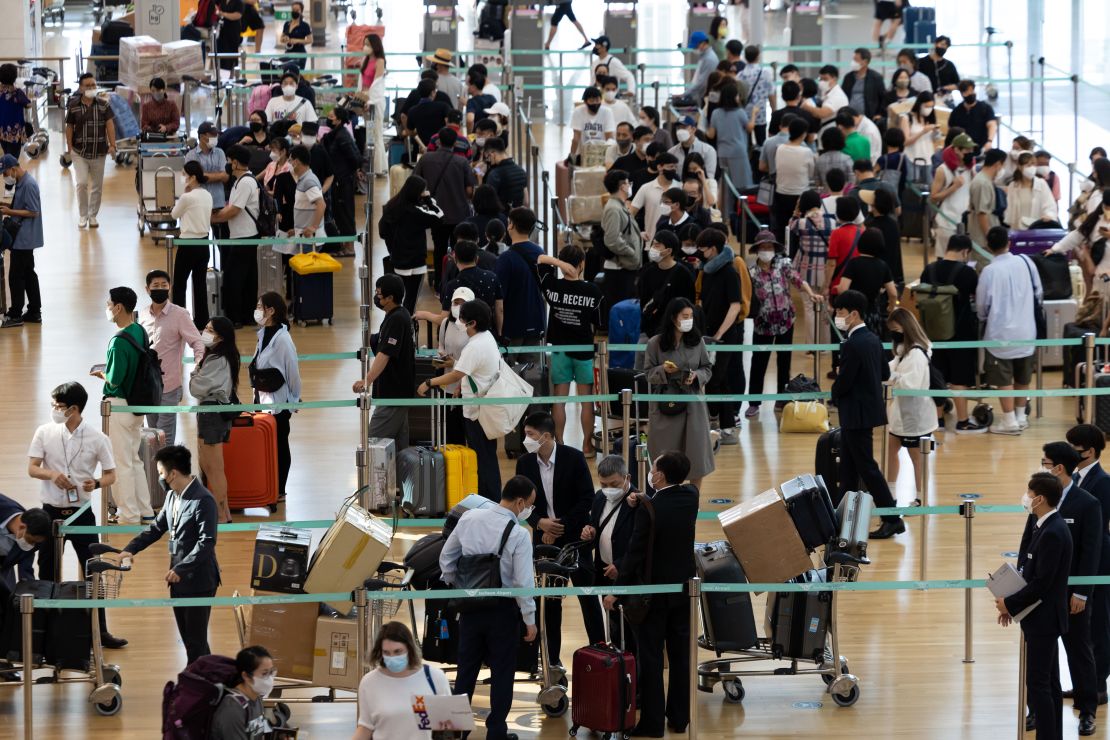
[443, 712]
[1006, 581]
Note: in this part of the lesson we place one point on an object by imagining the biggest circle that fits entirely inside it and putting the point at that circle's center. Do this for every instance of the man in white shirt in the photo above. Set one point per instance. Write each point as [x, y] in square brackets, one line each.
[289, 105]
[833, 98]
[239, 263]
[867, 129]
[616, 66]
[64, 456]
[620, 110]
[649, 198]
[591, 122]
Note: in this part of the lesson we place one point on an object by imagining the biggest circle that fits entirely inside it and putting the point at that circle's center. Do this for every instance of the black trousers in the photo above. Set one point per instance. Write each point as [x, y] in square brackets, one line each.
[412, 291]
[728, 377]
[490, 636]
[285, 457]
[761, 359]
[240, 293]
[456, 430]
[1100, 634]
[192, 625]
[80, 542]
[782, 208]
[343, 204]
[441, 238]
[23, 281]
[1081, 660]
[192, 263]
[489, 472]
[760, 132]
[857, 463]
[591, 616]
[667, 627]
[1042, 686]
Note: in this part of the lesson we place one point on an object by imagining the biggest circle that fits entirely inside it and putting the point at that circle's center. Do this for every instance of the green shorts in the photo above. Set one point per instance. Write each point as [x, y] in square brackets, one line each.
[565, 369]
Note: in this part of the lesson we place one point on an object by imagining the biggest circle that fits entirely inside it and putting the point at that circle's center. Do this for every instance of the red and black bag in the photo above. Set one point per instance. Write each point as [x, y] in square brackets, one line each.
[189, 705]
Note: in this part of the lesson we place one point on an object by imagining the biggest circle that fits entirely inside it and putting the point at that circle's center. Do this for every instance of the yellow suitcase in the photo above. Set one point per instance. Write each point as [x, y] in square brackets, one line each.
[461, 467]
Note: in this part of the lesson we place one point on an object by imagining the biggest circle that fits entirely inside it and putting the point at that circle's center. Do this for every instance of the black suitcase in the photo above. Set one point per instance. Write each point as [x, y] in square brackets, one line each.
[69, 631]
[827, 462]
[1102, 403]
[13, 622]
[621, 378]
[811, 509]
[728, 618]
[441, 632]
[423, 559]
[798, 623]
[313, 297]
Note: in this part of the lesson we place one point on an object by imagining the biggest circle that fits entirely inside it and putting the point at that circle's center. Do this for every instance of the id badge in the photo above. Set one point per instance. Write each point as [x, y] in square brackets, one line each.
[71, 496]
[173, 548]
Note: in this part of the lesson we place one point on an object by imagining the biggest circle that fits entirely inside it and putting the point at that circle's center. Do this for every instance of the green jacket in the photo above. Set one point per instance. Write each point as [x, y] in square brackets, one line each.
[123, 361]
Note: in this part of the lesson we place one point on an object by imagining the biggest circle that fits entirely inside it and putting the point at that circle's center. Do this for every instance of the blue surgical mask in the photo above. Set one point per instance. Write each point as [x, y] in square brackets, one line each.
[396, 663]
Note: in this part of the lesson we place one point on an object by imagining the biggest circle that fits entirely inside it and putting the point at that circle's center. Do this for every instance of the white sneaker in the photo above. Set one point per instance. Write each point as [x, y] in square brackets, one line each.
[1012, 429]
[1023, 423]
[93, 223]
[729, 437]
[82, 223]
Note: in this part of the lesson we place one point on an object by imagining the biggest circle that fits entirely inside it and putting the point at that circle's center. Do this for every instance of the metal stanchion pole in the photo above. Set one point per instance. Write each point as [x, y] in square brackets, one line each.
[642, 464]
[885, 443]
[1010, 75]
[1039, 366]
[169, 256]
[626, 421]
[655, 87]
[926, 462]
[26, 611]
[967, 510]
[1075, 117]
[545, 203]
[560, 93]
[1021, 689]
[818, 308]
[105, 426]
[694, 588]
[638, 93]
[363, 641]
[603, 377]
[1040, 62]
[1032, 90]
[362, 449]
[59, 545]
[1089, 401]
[535, 175]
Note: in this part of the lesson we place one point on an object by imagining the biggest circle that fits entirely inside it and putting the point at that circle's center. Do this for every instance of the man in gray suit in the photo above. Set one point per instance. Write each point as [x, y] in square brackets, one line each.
[189, 516]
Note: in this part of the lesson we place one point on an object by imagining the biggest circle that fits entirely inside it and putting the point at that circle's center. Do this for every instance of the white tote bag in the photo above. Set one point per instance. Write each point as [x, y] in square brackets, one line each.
[497, 420]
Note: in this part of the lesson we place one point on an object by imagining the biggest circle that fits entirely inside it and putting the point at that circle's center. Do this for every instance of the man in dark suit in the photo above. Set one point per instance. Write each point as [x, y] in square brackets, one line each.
[564, 492]
[1089, 441]
[1083, 515]
[610, 529]
[858, 395]
[189, 516]
[662, 551]
[1044, 560]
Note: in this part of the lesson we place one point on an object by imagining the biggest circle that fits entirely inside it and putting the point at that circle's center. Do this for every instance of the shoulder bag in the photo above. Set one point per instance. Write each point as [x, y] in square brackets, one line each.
[637, 606]
[481, 571]
[497, 420]
[1039, 317]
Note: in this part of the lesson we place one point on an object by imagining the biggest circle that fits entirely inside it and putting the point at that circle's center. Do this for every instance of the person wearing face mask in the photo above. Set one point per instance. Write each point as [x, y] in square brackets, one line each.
[21, 532]
[858, 395]
[240, 263]
[976, 117]
[289, 106]
[240, 713]
[676, 361]
[1044, 171]
[707, 64]
[919, 126]
[909, 417]
[660, 282]
[258, 134]
[729, 126]
[810, 229]
[160, 113]
[90, 137]
[1088, 200]
[308, 202]
[1044, 561]
[899, 90]
[620, 110]
[621, 147]
[404, 224]
[951, 187]
[394, 367]
[385, 693]
[170, 329]
[14, 105]
[772, 275]
[505, 176]
[473, 273]
[1088, 241]
[591, 122]
[624, 242]
[1029, 201]
[673, 214]
[476, 367]
[372, 81]
[983, 211]
[649, 117]
[64, 455]
[213, 162]
[648, 197]
[296, 34]
[278, 179]
[919, 81]
[452, 340]
[276, 353]
[215, 381]
[686, 132]
[615, 66]
[478, 102]
[941, 72]
[832, 97]
[131, 493]
[864, 86]
[451, 184]
[189, 518]
[488, 632]
[24, 212]
[700, 197]
[636, 160]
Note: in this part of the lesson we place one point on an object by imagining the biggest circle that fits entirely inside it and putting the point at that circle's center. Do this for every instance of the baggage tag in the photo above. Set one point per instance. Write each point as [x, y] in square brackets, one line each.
[443, 633]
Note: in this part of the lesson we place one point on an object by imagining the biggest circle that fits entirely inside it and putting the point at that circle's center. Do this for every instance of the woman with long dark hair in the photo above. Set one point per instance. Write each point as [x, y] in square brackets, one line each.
[259, 134]
[921, 130]
[372, 79]
[406, 218]
[910, 417]
[275, 373]
[729, 125]
[487, 207]
[1089, 240]
[240, 711]
[215, 382]
[676, 362]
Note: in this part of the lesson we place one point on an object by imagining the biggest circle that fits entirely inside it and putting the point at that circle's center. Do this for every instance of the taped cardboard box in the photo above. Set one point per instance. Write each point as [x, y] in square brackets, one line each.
[586, 209]
[765, 540]
[350, 552]
[588, 181]
[335, 659]
[288, 631]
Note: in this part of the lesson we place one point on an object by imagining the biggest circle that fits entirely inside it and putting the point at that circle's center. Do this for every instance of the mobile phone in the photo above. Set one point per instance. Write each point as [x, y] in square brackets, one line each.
[99, 368]
[439, 362]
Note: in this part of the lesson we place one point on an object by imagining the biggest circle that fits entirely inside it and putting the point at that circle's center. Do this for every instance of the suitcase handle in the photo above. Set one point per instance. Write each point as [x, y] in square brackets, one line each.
[245, 420]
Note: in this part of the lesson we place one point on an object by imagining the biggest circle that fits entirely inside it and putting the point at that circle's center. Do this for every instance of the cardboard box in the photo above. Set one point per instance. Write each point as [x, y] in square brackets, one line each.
[588, 181]
[586, 209]
[350, 552]
[280, 561]
[765, 540]
[335, 659]
[288, 631]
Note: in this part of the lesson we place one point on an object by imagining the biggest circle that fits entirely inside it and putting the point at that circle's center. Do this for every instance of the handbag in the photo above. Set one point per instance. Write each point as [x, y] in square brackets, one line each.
[267, 379]
[637, 606]
[497, 420]
[480, 571]
[1039, 317]
[766, 193]
[805, 417]
[12, 227]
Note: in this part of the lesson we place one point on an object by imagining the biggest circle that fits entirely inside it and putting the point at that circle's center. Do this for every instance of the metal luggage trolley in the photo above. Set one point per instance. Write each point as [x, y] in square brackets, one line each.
[104, 575]
[159, 180]
[842, 686]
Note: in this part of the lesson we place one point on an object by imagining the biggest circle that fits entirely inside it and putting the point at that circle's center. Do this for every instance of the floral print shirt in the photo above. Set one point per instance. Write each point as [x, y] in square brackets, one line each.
[771, 287]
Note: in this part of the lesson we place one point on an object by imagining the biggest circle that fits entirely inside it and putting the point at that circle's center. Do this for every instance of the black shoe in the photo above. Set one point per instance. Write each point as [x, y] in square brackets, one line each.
[1086, 724]
[111, 642]
[1068, 694]
[31, 318]
[1102, 697]
[1030, 722]
[638, 731]
[887, 530]
[681, 730]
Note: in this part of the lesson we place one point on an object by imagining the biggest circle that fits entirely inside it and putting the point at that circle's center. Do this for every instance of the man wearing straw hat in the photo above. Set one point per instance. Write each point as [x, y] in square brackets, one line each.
[448, 83]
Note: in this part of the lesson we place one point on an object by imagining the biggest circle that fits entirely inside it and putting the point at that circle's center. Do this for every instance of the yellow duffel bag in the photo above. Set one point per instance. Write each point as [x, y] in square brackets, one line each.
[805, 417]
[311, 263]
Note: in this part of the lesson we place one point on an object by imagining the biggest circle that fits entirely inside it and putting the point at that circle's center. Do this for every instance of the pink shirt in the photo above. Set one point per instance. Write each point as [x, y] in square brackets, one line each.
[369, 73]
[169, 332]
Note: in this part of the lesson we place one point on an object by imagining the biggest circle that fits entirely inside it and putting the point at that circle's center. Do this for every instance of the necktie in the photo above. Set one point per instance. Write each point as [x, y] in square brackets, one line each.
[1075, 479]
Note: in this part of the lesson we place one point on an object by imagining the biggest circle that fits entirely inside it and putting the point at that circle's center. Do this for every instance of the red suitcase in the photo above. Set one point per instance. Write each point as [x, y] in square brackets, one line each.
[603, 693]
[562, 187]
[250, 462]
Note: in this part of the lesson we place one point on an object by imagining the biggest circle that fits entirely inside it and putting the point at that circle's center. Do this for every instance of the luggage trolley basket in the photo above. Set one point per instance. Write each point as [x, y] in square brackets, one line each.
[159, 181]
[554, 566]
[104, 576]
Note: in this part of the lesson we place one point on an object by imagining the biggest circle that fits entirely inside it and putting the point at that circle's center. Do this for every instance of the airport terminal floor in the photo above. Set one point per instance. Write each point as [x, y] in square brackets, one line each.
[906, 646]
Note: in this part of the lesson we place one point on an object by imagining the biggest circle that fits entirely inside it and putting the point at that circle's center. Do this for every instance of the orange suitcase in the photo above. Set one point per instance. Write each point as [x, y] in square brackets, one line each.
[250, 462]
[562, 187]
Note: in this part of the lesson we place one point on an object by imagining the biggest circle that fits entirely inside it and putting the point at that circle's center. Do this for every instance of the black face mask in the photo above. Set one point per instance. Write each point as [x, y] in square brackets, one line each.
[256, 126]
[969, 159]
[295, 15]
[593, 107]
[940, 50]
[670, 175]
[897, 337]
[378, 302]
[159, 295]
[969, 99]
[165, 486]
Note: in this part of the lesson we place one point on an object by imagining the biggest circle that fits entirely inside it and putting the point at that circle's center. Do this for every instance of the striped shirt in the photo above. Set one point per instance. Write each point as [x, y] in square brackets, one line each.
[90, 127]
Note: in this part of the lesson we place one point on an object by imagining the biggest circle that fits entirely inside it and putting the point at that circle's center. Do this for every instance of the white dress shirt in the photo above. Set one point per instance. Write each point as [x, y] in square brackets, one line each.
[605, 536]
[547, 478]
[76, 453]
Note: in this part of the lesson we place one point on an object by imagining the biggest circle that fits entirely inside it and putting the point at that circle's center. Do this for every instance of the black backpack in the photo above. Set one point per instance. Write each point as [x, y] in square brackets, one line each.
[266, 220]
[480, 571]
[146, 387]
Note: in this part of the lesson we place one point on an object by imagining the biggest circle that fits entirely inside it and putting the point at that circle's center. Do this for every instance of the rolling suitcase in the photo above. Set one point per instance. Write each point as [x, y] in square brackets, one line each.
[624, 328]
[420, 417]
[827, 462]
[13, 624]
[1102, 403]
[811, 509]
[854, 520]
[460, 463]
[213, 287]
[441, 632]
[1035, 241]
[382, 462]
[473, 501]
[798, 623]
[69, 631]
[313, 297]
[422, 473]
[918, 21]
[562, 187]
[603, 695]
[1058, 314]
[727, 617]
[250, 462]
[635, 380]
[149, 444]
[271, 272]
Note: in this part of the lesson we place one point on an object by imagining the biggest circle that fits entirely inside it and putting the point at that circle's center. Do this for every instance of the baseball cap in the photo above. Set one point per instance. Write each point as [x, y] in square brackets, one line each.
[697, 37]
[499, 109]
[603, 40]
[963, 141]
[687, 121]
[7, 162]
[208, 128]
[465, 293]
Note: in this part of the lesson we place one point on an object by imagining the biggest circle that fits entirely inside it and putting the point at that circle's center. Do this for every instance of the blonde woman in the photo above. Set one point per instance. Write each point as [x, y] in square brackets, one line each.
[909, 418]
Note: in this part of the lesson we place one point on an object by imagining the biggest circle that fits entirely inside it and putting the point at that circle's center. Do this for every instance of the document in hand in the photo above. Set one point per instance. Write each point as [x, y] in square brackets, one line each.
[1006, 581]
[443, 712]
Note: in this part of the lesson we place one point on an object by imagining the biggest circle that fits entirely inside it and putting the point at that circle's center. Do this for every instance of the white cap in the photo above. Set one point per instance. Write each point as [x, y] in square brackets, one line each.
[465, 293]
[499, 109]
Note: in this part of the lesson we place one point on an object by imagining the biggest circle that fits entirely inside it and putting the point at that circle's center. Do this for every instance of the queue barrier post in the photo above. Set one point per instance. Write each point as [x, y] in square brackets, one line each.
[169, 254]
[1010, 75]
[603, 381]
[545, 204]
[1039, 367]
[967, 511]
[693, 587]
[361, 451]
[1021, 688]
[362, 643]
[59, 546]
[1089, 402]
[105, 426]
[818, 311]
[26, 611]
[626, 421]
[642, 466]
[926, 463]
[886, 432]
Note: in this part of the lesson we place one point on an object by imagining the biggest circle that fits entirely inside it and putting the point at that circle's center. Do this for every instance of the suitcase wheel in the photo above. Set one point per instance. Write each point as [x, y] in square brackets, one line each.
[273, 508]
[734, 691]
[558, 709]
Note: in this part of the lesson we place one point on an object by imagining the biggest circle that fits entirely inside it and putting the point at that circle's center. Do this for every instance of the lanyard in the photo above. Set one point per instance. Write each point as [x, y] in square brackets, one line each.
[176, 510]
[65, 449]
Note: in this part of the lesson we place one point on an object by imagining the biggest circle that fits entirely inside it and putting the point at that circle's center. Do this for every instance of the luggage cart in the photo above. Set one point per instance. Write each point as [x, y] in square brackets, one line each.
[159, 180]
[727, 669]
[104, 575]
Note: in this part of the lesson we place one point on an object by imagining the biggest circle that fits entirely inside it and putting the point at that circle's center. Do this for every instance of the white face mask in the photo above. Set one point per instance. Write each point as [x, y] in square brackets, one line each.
[1014, 154]
[480, 141]
[854, 66]
[58, 416]
[532, 445]
[841, 323]
[822, 86]
[9, 181]
[208, 338]
[1086, 186]
[158, 96]
[690, 250]
[1027, 502]
[1029, 172]
[685, 325]
[926, 110]
[262, 685]
[259, 316]
[89, 94]
[24, 545]
[288, 90]
[765, 255]
[628, 190]
[610, 96]
[274, 156]
[109, 314]
[1042, 170]
[612, 495]
[683, 135]
[527, 510]
[308, 140]
[655, 255]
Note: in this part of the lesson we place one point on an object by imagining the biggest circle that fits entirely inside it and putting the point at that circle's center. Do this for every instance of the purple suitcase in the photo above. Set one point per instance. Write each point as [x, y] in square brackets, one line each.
[1035, 241]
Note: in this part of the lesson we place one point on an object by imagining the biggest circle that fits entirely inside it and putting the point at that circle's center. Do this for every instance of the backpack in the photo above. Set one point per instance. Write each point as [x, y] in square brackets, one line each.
[936, 305]
[146, 387]
[266, 220]
[892, 176]
[480, 571]
[189, 705]
[491, 21]
[206, 14]
[1000, 203]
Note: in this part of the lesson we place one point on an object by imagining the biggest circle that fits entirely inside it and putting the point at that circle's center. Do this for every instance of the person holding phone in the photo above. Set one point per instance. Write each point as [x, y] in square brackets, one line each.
[393, 370]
